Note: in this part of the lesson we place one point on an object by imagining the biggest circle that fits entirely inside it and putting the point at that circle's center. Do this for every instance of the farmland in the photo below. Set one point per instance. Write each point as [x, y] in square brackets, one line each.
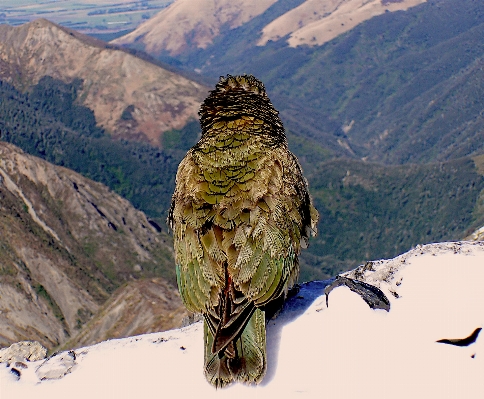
[101, 17]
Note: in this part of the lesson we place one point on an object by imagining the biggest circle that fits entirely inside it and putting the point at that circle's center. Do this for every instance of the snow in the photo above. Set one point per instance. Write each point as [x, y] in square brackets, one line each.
[344, 351]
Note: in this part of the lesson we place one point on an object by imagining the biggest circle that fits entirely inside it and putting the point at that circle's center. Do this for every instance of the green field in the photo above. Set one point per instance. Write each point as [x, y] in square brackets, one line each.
[87, 16]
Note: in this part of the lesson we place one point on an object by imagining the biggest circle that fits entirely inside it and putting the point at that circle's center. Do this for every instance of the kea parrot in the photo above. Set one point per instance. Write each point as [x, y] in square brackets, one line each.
[240, 213]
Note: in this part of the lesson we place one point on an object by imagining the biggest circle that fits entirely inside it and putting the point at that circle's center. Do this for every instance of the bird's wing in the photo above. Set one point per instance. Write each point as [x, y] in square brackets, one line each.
[199, 260]
[264, 251]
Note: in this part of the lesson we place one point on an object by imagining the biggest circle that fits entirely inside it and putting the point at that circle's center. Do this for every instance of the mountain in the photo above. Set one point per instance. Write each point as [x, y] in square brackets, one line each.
[397, 88]
[315, 22]
[429, 344]
[138, 307]
[131, 97]
[68, 245]
[49, 120]
[370, 210]
[46, 122]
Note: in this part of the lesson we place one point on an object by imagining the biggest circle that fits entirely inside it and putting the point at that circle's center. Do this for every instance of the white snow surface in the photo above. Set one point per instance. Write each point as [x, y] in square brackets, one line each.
[345, 351]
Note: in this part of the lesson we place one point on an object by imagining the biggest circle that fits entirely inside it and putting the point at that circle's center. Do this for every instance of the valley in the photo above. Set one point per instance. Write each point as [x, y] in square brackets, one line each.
[400, 87]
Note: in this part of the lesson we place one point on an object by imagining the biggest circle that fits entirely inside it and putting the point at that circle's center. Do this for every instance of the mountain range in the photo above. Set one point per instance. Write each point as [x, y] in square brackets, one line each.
[186, 26]
[391, 88]
[144, 174]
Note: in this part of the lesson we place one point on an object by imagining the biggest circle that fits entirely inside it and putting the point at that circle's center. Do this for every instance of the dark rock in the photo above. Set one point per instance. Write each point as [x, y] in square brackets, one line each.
[15, 372]
[462, 341]
[373, 296]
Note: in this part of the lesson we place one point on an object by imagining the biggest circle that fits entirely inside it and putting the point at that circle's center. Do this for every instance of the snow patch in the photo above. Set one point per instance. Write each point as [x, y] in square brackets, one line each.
[345, 351]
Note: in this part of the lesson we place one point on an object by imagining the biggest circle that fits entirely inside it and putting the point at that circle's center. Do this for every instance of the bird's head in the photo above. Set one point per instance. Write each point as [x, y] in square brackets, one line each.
[236, 96]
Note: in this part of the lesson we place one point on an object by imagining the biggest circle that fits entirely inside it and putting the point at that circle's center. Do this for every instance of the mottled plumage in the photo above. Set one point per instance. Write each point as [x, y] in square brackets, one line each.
[240, 213]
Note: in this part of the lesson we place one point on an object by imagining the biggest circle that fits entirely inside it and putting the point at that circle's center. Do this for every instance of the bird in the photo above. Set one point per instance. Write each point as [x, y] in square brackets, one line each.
[240, 214]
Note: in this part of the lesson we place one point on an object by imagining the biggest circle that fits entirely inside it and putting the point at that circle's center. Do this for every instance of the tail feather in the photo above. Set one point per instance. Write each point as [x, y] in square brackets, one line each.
[243, 360]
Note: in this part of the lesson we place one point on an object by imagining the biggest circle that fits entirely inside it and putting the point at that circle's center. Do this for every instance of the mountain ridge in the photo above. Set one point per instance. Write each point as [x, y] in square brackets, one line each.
[184, 24]
[317, 138]
[314, 23]
[114, 81]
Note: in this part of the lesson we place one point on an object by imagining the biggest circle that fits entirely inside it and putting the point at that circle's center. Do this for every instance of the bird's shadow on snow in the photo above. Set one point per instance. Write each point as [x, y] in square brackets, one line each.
[294, 307]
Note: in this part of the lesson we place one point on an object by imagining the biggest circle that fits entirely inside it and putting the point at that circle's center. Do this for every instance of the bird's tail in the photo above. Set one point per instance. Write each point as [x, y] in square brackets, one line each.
[243, 359]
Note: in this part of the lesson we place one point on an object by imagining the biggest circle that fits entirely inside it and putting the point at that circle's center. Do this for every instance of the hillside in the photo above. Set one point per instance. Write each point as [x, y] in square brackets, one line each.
[370, 211]
[402, 87]
[316, 22]
[67, 245]
[186, 26]
[131, 98]
[48, 122]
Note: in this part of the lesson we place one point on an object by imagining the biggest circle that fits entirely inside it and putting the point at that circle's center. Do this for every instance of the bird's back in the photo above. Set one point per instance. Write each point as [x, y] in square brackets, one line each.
[240, 213]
